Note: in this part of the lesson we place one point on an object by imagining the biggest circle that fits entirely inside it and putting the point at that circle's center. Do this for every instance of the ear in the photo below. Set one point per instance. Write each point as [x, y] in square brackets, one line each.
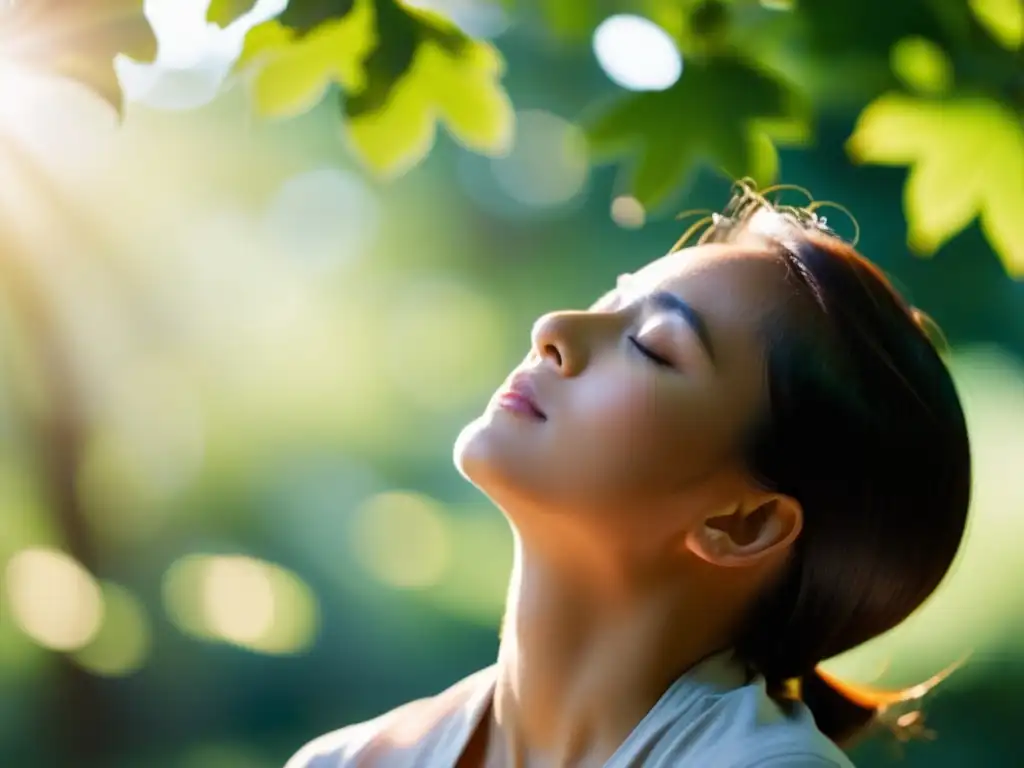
[748, 533]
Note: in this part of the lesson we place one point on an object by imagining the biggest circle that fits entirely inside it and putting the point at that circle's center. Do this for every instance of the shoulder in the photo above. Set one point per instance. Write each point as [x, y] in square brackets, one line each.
[746, 728]
[406, 736]
[764, 735]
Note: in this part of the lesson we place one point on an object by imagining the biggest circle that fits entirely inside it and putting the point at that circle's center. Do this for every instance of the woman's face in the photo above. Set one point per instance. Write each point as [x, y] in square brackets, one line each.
[642, 401]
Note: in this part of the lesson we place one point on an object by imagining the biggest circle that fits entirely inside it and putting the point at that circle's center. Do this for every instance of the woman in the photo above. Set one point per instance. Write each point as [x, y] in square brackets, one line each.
[745, 459]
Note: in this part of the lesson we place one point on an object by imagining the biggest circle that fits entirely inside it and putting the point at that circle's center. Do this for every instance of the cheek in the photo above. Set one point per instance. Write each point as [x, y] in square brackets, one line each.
[629, 431]
[652, 433]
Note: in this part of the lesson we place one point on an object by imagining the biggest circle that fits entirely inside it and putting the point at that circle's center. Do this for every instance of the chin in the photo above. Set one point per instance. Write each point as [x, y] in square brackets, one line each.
[497, 460]
[462, 452]
[474, 451]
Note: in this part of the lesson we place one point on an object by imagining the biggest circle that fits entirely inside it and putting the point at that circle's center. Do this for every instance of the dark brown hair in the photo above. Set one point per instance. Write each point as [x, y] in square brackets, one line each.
[863, 427]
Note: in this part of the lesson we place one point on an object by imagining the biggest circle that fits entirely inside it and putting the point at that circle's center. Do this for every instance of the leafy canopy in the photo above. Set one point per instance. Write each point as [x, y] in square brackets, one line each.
[940, 82]
[699, 117]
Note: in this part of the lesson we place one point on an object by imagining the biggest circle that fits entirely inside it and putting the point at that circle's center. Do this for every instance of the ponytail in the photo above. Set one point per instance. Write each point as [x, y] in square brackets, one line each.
[844, 711]
[776, 640]
[841, 711]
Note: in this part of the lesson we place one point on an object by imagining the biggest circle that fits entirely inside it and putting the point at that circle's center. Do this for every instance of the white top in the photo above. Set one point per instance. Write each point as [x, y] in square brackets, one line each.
[713, 716]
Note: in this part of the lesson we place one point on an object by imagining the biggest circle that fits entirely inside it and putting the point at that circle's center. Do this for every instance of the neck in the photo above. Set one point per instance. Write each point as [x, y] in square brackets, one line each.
[587, 650]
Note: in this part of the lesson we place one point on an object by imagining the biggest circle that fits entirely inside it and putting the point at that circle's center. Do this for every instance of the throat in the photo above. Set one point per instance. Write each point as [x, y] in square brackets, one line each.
[584, 657]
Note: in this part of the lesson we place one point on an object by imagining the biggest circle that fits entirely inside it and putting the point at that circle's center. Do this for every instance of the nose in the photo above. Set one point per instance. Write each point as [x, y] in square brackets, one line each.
[557, 339]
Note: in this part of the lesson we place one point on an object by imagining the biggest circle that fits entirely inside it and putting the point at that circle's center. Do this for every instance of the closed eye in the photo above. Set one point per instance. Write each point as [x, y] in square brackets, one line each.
[654, 357]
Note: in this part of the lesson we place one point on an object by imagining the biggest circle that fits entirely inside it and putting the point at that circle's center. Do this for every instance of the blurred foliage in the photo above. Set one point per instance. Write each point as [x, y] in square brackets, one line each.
[297, 67]
[402, 69]
[739, 69]
[672, 135]
[233, 365]
[962, 155]
[76, 39]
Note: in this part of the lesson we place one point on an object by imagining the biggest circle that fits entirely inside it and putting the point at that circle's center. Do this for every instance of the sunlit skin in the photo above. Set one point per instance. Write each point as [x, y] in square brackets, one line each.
[640, 538]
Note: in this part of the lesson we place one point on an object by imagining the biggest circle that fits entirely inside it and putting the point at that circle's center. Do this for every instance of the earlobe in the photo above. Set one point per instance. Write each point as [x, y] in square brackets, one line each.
[742, 537]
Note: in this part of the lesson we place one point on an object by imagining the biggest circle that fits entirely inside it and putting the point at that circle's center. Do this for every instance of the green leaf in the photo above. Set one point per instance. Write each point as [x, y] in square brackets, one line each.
[306, 15]
[966, 159]
[292, 71]
[223, 12]
[458, 88]
[425, 71]
[402, 70]
[77, 40]
[719, 110]
[1004, 19]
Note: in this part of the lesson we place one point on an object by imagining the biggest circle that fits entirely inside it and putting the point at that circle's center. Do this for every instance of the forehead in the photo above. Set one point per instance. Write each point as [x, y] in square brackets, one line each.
[717, 275]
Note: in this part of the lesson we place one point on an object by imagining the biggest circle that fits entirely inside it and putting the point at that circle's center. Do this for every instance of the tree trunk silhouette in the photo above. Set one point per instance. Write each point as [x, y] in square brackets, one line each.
[83, 727]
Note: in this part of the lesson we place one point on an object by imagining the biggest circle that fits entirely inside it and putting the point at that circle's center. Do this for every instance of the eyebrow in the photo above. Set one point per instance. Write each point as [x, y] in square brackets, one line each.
[672, 303]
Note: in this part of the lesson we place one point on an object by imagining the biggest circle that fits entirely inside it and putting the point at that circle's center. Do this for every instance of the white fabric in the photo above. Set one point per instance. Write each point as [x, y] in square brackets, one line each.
[711, 717]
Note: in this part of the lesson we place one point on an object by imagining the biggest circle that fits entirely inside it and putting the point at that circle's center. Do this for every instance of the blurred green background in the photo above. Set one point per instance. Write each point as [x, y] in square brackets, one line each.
[242, 328]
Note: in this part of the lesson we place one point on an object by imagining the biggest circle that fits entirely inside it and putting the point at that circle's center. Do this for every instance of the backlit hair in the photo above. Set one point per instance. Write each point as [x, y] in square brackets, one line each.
[862, 425]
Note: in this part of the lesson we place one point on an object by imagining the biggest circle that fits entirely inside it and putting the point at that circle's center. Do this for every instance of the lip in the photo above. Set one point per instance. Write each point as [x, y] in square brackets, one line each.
[520, 397]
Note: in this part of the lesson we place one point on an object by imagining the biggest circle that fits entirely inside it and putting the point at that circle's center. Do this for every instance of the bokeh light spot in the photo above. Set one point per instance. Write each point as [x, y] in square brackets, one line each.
[922, 65]
[628, 212]
[123, 641]
[53, 598]
[242, 601]
[548, 165]
[636, 53]
[325, 217]
[238, 599]
[402, 539]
